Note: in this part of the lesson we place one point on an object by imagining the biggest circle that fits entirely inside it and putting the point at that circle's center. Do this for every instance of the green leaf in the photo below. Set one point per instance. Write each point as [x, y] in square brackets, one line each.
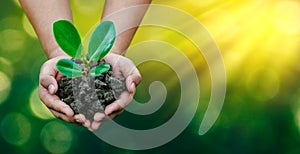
[101, 40]
[68, 68]
[99, 69]
[67, 37]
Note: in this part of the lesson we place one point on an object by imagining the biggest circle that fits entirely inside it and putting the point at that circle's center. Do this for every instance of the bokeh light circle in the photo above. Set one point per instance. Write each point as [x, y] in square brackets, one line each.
[12, 40]
[6, 67]
[56, 137]
[296, 109]
[5, 86]
[15, 129]
[37, 107]
[13, 44]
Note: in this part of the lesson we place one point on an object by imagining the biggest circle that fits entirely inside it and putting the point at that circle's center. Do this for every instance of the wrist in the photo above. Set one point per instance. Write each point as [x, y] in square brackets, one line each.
[118, 52]
[56, 53]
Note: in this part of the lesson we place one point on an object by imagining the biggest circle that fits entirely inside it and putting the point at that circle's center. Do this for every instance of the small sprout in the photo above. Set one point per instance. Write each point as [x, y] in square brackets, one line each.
[69, 68]
[68, 38]
[99, 70]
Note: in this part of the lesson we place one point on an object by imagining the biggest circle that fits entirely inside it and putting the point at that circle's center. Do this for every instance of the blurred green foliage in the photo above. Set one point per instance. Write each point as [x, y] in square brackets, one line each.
[261, 113]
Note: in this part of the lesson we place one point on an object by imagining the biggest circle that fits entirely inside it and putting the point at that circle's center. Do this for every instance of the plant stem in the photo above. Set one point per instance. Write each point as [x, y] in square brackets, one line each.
[86, 64]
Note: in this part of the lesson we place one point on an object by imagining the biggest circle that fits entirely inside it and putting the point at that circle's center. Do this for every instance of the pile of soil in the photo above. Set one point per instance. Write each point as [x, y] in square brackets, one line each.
[89, 95]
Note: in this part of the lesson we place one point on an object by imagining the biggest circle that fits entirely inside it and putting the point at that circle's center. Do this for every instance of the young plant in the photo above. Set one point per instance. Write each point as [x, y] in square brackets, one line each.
[101, 41]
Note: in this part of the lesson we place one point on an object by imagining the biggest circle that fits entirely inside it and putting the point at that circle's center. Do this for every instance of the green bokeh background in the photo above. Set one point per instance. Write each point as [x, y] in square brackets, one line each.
[259, 41]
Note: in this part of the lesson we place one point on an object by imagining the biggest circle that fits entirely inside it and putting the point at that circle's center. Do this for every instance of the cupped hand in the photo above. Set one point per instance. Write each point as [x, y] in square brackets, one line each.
[49, 76]
[121, 66]
[48, 87]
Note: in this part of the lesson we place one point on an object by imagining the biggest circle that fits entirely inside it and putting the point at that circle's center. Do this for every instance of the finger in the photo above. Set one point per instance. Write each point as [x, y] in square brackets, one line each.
[124, 99]
[49, 83]
[62, 116]
[133, 78]
[124, 66]
[53, 102]
[99, 117]
[87, 124]
[95, 125]
[58, 76]
[80, 118]
[132, 81]
[47, 78]
[115, 114]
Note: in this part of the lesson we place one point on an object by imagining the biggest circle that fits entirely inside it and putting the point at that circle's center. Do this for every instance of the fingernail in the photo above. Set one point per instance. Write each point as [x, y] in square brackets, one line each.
[132, 86]
[51, 88]
[77, 120]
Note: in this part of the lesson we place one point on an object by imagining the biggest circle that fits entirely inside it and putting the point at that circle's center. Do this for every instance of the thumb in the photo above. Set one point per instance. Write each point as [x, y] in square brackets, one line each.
[49, 82]
[132, 81]
[47, 77]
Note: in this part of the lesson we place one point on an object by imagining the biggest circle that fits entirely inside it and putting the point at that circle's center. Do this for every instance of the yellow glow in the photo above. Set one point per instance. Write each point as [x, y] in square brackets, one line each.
[28, 27]
[286, 16]
[37, 107]
[233, 59]
[5, 86]
[15, 129]
[220, 22]
[246, 37]
[250, 32]
[56, 137]
[204, 3]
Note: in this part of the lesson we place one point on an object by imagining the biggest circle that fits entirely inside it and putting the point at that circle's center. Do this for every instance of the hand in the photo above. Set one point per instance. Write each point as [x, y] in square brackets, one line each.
[48, 87]
[122, 66]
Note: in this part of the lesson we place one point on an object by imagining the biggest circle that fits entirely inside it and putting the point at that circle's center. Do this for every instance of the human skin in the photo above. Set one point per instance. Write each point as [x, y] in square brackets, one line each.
[43, 13]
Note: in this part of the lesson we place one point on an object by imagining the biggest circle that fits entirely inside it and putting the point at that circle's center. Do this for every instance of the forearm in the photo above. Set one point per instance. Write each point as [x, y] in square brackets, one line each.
[42, 13]
[127, 15]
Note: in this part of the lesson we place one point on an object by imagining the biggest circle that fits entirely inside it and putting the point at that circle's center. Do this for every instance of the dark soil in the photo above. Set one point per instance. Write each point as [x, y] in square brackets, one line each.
[89, 95]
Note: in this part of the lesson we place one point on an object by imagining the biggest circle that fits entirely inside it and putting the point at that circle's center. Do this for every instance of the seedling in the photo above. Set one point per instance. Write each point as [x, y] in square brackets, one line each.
[88, 85]
[101, 41]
